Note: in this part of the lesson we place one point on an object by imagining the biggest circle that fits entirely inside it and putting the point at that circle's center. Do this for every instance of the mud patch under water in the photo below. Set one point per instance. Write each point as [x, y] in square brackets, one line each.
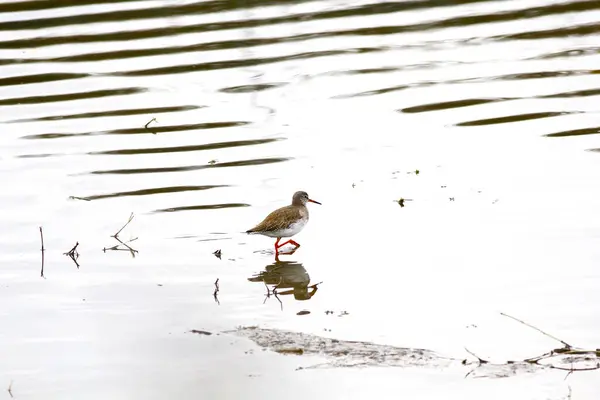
[345, 353]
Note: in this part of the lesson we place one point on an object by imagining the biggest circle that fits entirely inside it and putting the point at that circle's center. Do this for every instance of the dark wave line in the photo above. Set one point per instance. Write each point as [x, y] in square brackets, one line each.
[472, 102]
[179, 149]
[252, 88]
[379, 91]
[50, 5]
[511, 118]
[145, 192]
[39, 78]
[113, 113]
[568, 53]
[575, 132]
[142, 130]
[452, 104]
[578, 30]
[535, 75]
[260, 161]
[508, 77]
[203, 207]
[221, 6]
[44, 155]
[554, 9]
[69, 96]
[205, 7]
[249, 62]
[576, 93]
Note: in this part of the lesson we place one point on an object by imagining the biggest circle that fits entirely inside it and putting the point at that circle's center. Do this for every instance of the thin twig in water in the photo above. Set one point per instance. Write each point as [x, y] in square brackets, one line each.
[567, 345]
[116, 235]
[273, 292]
[10, 389]
[216, 292]
[117, 248]
[571, 370]
[481, 360]
[43, 251]
[569, 373]
[148, 123]
[129, 248]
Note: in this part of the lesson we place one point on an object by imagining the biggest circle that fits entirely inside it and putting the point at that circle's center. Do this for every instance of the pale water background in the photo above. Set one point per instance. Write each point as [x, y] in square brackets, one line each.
[495, 103]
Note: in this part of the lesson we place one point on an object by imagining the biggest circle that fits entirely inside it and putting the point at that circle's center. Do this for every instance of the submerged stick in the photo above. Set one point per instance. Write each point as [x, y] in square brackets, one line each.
[216, 292]
[116, 235]
[129, 248]
[149, 122]
[10, 389]
[273, 292]
[481, 360]
[567, 345]
[43, 250]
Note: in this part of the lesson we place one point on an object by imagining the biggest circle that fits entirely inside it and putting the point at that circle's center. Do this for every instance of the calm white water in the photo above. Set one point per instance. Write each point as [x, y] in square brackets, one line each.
[494, 102]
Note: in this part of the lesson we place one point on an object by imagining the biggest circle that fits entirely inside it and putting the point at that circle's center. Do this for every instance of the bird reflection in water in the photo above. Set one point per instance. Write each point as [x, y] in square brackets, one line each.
[288, 275]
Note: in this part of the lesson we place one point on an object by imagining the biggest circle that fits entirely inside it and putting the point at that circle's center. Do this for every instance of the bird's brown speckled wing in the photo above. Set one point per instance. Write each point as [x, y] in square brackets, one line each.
[278, 219]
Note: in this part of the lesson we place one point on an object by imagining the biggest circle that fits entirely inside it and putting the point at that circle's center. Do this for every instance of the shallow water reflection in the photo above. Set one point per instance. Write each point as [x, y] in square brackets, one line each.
[287, 278]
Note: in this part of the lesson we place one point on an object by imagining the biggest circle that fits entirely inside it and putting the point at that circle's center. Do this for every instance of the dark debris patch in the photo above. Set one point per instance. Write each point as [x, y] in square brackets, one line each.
[206, 333]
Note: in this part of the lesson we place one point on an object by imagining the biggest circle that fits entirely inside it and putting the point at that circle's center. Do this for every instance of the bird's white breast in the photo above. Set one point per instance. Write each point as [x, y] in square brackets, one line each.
[293, 229]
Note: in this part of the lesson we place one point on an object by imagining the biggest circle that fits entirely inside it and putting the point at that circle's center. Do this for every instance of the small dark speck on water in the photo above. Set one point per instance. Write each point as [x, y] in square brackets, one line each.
[212, 162]
[217, 254]
[451, 198]
[303, 312]
[160, 284]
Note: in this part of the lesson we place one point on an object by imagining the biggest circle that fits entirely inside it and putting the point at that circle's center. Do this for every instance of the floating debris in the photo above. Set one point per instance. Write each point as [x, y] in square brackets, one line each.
[148, 123]
[207, 333]
[297, 351]
[216, 292]
[73, 254]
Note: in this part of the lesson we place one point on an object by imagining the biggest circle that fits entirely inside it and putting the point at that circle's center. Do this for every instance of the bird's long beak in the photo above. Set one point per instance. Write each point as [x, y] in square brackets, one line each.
[313, 201]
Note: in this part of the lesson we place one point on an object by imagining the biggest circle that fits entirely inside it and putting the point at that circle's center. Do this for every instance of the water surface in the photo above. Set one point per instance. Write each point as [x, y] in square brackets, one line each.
[200, 117]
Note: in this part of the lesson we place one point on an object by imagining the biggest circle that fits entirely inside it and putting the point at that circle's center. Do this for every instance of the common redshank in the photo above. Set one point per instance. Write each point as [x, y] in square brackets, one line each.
[286, 221]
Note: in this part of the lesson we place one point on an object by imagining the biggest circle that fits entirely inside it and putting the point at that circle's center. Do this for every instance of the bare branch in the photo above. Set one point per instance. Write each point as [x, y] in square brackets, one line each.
[116, 235]
[43, 251]
[216, 292]
[567, 345]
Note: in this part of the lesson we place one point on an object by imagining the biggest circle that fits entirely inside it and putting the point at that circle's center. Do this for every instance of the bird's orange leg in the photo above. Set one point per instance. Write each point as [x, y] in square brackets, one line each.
[277, 246]
[290, 241]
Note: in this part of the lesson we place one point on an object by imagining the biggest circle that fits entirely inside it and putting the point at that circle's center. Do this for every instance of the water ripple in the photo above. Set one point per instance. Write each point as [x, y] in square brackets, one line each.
[245, 163]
